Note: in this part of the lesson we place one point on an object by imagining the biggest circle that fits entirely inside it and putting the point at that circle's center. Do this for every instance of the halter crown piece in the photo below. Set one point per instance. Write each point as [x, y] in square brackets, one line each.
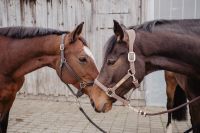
[131, 73]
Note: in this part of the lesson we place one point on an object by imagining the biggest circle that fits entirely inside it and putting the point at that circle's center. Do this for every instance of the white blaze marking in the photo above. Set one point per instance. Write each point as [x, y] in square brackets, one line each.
[88, 52]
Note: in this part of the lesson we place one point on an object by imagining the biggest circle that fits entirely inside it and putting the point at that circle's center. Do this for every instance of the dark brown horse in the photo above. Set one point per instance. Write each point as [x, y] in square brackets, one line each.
[159, 50]
[175, 94]
[24, 50]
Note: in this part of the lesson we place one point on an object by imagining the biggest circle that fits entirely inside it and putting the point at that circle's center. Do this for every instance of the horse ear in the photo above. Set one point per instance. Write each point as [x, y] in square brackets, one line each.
[75, 33]
[118, 30]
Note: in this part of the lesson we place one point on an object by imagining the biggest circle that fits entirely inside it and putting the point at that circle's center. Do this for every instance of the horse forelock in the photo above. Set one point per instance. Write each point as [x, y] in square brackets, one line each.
[148, 26]
[83, 41]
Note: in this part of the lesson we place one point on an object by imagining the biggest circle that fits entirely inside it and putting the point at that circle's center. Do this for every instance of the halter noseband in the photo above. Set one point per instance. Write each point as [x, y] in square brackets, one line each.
[131, 73]
[63, 62]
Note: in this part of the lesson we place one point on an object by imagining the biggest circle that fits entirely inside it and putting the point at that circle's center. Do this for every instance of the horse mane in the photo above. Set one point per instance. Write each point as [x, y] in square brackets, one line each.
[148, 26]
[185, 26]
[28, 32]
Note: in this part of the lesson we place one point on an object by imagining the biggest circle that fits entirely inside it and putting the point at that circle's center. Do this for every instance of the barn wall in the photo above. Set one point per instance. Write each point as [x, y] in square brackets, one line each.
[98, 16]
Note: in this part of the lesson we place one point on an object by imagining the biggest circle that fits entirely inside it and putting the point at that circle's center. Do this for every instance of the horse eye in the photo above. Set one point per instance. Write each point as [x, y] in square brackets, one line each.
[83, 59]
[111, 61]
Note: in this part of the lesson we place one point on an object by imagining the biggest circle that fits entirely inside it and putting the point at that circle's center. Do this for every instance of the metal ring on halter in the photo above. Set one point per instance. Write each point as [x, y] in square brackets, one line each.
[64, 60]
[109, 92]
[62, 46]
[134, 81]
[83, 84]
[131, 74]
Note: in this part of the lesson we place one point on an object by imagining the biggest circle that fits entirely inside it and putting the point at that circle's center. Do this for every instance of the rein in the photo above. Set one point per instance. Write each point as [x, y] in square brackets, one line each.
[83, 84]
[131, 73]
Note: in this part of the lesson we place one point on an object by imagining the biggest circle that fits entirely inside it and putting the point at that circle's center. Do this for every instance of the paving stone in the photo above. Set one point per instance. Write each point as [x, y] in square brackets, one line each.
[40, 116]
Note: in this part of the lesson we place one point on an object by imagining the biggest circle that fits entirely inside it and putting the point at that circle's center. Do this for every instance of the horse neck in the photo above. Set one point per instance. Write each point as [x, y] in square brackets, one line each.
[169, 51]
[27, 55]
[190, 26]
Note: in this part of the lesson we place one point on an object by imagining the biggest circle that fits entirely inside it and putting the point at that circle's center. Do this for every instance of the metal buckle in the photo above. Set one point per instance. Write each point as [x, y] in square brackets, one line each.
[109, 92]
[62, 46]
[134, 80]
[82, 85]
[129, 72]
[131, 56]
[62, 61]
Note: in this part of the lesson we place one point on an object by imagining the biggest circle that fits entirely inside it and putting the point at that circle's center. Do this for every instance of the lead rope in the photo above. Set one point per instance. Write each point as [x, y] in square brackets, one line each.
[82, 110]
[174, 109]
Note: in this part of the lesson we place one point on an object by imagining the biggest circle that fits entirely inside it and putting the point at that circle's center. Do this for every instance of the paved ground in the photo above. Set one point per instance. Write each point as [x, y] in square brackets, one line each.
[36, 116]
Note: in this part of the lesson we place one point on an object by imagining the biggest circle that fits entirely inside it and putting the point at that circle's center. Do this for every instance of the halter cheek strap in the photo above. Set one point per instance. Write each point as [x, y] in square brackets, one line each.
[132, 56]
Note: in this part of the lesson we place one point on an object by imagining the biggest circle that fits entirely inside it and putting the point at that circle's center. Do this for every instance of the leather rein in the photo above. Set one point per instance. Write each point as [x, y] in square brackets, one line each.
[131, 73]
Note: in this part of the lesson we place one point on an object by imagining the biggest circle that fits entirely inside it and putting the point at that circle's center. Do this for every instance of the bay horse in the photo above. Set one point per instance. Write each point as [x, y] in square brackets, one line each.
[147, 52]
[175, 94]
[26, 49]
[175, 97]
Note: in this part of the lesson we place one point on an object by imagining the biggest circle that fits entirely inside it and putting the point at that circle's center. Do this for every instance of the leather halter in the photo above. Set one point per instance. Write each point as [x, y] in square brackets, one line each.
[83, 84]
[63, 62]
[131, 73]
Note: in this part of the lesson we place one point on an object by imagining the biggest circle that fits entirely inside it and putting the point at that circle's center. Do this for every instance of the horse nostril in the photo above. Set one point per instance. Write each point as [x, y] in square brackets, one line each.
[97, 110]
[93, 105]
